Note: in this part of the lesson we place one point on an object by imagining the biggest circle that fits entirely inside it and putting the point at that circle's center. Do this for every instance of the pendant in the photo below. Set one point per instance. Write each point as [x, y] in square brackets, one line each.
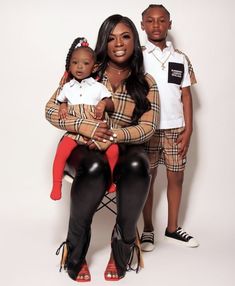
[163, 67]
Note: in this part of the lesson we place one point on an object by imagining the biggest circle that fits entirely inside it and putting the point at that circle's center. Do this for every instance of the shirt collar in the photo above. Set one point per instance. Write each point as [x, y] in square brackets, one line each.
[150, 47]
[86, 81]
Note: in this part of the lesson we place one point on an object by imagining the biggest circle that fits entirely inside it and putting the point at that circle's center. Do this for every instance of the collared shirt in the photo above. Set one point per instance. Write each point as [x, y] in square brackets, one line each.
[172, 71]
[88, 91]
[120, 119]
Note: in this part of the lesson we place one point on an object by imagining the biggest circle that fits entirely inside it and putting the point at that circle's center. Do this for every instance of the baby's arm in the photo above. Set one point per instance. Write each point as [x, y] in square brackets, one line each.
[63, 110]
[63, 103]
[106, 104]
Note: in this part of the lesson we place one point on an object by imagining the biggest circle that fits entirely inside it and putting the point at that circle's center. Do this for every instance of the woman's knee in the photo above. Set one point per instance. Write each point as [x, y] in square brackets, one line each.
[92, 174]
[95, 165]
[137, 164]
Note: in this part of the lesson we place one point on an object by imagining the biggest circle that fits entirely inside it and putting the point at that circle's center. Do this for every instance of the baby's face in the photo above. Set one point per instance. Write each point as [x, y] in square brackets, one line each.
[81, 64]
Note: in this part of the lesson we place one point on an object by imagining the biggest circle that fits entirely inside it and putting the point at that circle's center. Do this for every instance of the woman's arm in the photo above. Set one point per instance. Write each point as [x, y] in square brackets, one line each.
[148, 122]
[136, 134]
[75, 123]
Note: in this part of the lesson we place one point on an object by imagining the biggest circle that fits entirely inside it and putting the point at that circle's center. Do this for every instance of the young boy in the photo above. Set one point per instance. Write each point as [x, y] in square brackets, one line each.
[174, 75]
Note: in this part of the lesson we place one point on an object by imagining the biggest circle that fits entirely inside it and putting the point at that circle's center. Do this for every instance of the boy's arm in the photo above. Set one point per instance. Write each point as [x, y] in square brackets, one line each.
[184, 138]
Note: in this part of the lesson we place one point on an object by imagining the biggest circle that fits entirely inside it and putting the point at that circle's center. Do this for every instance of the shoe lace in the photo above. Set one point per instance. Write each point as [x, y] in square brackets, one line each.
[63, 261]
[182, 233]
[147, 237]
[135, 249]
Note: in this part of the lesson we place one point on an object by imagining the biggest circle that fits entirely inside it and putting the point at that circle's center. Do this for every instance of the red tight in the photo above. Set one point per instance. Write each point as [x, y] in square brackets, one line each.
[65, 147]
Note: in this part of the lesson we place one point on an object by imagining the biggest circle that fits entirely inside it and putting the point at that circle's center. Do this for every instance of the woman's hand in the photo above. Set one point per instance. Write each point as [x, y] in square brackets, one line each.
[102, 132]
[91, 145]
[95, 145]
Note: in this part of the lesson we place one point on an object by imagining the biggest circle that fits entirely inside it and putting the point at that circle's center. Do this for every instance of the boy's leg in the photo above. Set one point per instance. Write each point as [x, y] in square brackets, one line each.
[64, 149]
[175, 175]
[147, 237]
[174, 192]
[173, 232]
[147, 211]
[175, 165]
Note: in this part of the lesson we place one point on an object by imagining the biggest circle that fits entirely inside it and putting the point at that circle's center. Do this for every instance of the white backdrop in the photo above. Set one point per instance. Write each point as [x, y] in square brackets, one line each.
[35, 37]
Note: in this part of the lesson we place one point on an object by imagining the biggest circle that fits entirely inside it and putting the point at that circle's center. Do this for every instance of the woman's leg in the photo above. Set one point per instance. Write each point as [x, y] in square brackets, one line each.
[132, 175]
[133, 179]
[91, 180]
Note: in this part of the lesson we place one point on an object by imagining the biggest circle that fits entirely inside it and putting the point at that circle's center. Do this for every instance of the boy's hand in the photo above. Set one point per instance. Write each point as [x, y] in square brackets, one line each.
[99, 110]
[183, 141]
[63, 110]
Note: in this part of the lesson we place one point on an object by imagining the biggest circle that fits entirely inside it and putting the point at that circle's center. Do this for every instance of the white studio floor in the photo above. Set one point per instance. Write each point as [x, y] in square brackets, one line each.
[28, 257]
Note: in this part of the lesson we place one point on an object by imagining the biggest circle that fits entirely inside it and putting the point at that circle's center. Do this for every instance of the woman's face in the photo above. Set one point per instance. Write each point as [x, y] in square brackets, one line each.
[120, 44]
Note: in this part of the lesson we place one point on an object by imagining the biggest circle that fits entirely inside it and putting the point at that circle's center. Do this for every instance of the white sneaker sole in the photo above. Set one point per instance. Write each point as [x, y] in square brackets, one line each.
[191, 243]
[147, 247]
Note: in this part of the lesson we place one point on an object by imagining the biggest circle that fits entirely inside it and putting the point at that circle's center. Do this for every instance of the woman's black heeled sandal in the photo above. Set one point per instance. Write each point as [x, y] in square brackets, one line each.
[123, 253]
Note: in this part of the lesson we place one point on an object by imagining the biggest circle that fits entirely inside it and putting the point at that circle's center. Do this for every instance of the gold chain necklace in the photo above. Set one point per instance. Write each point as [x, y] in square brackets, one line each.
[119, 71]
[162, 63]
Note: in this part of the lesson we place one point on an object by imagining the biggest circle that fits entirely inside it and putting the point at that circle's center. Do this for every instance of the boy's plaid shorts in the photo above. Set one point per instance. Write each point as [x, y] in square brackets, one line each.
[167, 149]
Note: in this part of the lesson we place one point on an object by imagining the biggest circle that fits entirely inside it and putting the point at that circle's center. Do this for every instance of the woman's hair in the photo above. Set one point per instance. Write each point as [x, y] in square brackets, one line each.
[78, 43]
[136, 83]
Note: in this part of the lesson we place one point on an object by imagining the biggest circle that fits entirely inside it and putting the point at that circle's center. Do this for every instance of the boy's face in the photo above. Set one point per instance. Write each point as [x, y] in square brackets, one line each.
[156, 24]
[81, 64]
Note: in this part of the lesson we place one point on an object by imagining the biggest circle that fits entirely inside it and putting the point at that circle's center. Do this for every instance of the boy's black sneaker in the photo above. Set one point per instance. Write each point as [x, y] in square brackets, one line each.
[181, 237]
[147, 241]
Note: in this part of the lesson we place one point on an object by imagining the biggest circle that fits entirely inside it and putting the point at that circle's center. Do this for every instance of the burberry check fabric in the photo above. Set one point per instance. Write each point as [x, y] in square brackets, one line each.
[79, 122]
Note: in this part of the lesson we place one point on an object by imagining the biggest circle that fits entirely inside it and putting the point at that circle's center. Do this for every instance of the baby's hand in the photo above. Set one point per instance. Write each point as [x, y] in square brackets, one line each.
[99, 109]
[63, 110]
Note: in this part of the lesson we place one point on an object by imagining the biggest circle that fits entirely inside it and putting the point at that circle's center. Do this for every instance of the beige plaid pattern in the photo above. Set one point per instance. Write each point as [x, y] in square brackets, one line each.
[164, 150]
[79, 122]
[190, 68]
[155, 146]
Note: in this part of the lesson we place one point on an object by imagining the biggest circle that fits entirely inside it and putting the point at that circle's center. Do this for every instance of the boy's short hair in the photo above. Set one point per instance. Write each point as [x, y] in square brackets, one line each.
[156, 6]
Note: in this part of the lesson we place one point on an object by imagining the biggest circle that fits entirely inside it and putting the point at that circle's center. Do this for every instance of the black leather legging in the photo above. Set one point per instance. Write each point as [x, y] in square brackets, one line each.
[92, 179]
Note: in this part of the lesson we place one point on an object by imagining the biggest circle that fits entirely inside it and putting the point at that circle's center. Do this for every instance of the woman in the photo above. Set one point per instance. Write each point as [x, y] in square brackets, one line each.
[134, 121]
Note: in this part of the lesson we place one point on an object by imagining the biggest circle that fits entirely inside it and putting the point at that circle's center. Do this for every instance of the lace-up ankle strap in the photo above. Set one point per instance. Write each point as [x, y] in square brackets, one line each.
[64, 257]
[135, 249]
